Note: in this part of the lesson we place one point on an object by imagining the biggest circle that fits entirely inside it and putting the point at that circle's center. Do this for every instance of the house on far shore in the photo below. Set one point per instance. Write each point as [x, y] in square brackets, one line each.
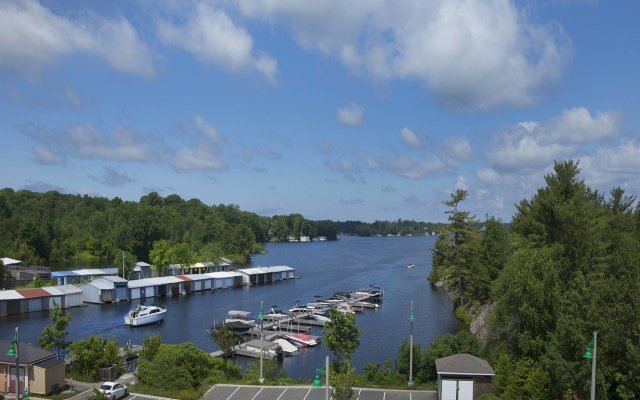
[45, 372]
[463, 377]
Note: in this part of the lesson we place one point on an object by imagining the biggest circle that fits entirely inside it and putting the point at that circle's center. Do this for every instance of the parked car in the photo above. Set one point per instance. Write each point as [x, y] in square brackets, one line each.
[114, 390]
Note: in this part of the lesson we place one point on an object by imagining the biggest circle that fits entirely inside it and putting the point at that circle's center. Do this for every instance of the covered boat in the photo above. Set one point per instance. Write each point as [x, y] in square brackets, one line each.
[239, 321]
[144, 315]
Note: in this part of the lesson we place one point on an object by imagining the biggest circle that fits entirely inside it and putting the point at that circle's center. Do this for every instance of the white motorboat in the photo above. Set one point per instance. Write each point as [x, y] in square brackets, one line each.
[144, 315]
[303, 339]
[411, 266]
[287, 348]
[275, 314]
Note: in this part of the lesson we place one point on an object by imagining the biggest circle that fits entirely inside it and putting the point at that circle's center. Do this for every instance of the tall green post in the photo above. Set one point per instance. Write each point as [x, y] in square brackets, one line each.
[412, 318]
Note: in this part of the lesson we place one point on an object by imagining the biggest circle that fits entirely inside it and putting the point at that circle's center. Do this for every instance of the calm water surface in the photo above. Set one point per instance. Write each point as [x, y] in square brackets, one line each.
[323, 268]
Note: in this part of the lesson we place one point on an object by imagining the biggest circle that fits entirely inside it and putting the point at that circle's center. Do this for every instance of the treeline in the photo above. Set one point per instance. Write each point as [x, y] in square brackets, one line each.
[45, 228]
[384, 228]
[569, 265]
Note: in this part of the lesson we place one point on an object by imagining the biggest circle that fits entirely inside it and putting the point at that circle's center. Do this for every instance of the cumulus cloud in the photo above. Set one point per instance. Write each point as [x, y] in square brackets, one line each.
[31, 37]
[200, 159]
[207, 130]
[477, 54]
[213, 38]
[88, 142]
[350, 114]
[462, 183]
[618, 164]
[533, 145]
[458, 149]
[410, 138]
[112, 177]
[45, 156]
[414, 168]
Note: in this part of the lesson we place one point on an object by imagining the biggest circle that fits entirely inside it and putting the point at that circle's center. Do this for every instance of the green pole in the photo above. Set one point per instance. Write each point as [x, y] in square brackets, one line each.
[17, 364]
[261, 316]
[593, 365]
[412, 318]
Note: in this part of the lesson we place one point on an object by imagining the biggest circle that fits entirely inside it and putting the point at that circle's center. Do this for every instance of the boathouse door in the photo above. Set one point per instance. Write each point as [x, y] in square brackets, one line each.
[457, 389]
[12, 380]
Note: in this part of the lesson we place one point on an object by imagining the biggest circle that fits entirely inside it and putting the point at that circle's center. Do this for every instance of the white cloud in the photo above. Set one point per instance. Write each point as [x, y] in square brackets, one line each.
[458, 149]
[350, 114]
[213, 38]
[471, 53]
[410, 138]
[533, 145]
[617, 165]
[120, 145]
[31, 37]
[461, 183]
[207, 130]
[45, 156]
[411, 167]
[200, 159]
[489, 176]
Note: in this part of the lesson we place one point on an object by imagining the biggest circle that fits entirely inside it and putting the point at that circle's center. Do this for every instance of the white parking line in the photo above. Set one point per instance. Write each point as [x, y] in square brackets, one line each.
[131, 398]
[234, 392]
[359, 391]
[257, 393]
[305, 396]
[285, 389]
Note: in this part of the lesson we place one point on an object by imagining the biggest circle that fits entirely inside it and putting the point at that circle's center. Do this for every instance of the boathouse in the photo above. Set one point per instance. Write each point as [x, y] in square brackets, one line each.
[105, 290]
[155, 287]
[260, 275]
[44, 371]
[82, 275]
[226, 279]
[463, 377]
[39, 299]
[141, 270]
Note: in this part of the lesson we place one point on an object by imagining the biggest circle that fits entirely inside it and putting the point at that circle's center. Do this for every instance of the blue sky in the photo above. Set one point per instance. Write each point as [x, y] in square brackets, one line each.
[342, 110]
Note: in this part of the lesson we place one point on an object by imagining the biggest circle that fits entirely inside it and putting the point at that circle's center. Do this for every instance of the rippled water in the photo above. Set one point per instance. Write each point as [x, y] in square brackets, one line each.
[323, 268]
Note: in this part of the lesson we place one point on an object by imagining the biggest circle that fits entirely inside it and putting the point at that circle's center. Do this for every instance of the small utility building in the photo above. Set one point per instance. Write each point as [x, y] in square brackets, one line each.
[463, 377]
[43, 371]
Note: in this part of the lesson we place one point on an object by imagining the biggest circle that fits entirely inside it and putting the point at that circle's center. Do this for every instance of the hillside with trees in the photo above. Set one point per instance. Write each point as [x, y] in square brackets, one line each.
[383, 228]
[569, 265]
[49, 228]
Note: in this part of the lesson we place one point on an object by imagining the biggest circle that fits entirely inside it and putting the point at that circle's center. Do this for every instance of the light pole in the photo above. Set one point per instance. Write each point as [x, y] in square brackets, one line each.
[261, 316]
[14, 350]
[591, 353]
[411, 319]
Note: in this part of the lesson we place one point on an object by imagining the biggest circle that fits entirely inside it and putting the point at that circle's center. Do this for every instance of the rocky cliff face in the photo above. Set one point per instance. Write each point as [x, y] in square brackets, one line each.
[479, 326]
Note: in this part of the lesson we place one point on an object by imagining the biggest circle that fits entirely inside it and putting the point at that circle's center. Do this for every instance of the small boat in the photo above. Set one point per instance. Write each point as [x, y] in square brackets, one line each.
[321, 318]
[287, 348]
[275, 313]
[144, 315]
[410, 266]
[239, 321]
[302, 339]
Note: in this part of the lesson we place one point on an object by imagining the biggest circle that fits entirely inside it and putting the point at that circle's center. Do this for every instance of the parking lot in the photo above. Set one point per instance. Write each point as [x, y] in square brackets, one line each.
[235, 392]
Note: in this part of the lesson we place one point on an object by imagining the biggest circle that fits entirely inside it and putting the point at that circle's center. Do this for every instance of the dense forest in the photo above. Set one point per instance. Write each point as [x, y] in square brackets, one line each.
[568, 266]
[384, 228]
[46, 228]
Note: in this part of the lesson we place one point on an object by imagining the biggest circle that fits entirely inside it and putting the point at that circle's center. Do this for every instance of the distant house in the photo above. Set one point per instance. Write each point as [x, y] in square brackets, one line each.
[141, 270]
[463, 377]
[44, 371]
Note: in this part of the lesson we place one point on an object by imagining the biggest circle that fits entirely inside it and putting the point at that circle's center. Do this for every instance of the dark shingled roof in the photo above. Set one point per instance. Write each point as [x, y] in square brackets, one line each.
[28, 354]
[48, 363]
[463, 364]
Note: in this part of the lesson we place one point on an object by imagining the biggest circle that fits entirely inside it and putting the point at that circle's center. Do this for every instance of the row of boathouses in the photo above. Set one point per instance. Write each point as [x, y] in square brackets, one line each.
[104, 288]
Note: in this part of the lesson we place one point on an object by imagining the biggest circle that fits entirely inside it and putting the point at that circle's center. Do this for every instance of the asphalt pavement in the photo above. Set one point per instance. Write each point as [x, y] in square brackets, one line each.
[239, 392]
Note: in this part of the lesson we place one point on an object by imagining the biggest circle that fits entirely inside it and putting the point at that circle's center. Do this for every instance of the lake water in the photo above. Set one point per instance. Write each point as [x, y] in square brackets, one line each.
[323, 268]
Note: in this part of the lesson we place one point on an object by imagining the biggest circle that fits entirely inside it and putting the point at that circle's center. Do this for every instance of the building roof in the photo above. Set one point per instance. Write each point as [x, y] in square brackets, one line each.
[114, 279]
[147, 282]
[10, 295]
[142, 264]
[49, 362]
[33, 293]
[27, 353]
[463, 364]
[86, 272]
[101, 284]
[66, 289]
[10, 261]
[265, 270]
[223, 274]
